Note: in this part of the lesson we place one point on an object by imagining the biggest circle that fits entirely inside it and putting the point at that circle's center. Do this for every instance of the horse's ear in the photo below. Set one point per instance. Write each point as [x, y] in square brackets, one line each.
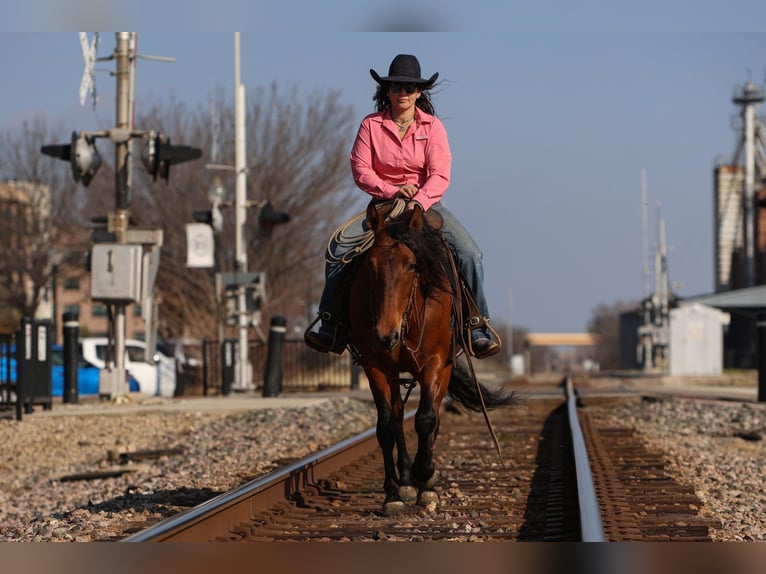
[373, 217]
[416, 219]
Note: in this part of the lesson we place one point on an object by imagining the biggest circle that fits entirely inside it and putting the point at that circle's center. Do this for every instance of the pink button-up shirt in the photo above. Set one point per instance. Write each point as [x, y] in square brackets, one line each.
[380, 163]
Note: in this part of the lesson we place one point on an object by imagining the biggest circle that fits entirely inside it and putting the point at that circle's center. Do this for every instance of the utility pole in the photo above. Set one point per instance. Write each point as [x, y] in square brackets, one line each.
[645, 229]
[240, 286]
[122, 191]
[244, 369]
[646, 344]
[124, 260]
[662, 301]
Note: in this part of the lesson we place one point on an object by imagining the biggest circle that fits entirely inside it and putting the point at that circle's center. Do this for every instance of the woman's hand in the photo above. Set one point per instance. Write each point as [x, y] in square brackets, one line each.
[409, 190]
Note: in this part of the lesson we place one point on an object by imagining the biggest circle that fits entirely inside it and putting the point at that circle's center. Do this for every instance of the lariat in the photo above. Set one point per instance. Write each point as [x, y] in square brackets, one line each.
[352, 245]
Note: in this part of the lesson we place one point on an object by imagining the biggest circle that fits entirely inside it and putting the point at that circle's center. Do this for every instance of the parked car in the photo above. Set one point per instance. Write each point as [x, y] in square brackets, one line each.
[156, 375]
[87, 375]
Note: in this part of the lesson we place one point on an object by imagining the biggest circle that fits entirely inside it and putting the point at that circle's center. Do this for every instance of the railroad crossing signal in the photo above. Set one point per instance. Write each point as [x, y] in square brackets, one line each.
[158, 155]
[88, 83]
[82, 155]
[268, 218]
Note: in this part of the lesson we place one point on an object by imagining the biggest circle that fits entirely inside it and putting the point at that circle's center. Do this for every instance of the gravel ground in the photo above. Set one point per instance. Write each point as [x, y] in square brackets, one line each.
[217, 452]
[717, 447]
[714, 446]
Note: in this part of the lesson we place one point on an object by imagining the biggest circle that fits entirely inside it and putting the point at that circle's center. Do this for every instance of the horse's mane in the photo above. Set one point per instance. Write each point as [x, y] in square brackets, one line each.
[432, 258]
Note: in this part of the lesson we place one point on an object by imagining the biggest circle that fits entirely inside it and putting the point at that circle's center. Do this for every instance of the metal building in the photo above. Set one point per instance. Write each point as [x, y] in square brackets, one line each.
[696, 340]
[729, 227]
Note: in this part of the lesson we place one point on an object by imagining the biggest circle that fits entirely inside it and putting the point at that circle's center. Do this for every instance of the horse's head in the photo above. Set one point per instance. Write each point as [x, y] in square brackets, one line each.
[405, 265]
[392, 269]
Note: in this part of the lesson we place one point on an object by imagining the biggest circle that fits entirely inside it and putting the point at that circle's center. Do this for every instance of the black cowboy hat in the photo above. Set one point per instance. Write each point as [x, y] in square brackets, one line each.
[404, 68]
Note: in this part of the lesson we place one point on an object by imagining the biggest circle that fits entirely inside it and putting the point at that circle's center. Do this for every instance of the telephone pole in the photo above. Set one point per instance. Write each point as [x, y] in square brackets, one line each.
[244, 370]
[122, 192]
[123, 260]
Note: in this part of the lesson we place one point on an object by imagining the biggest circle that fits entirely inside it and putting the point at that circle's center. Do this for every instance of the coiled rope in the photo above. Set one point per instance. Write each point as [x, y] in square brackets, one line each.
[352, 245]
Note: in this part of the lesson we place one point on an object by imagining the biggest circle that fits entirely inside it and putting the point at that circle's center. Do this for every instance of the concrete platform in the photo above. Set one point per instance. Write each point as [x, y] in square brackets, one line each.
[235, 402]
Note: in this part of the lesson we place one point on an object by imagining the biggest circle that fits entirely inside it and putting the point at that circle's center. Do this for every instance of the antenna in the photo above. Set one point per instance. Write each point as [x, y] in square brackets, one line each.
[645, 228]
[661, 263]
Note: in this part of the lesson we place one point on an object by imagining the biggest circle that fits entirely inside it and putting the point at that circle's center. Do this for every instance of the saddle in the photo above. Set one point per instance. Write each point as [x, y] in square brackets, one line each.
[464, 306]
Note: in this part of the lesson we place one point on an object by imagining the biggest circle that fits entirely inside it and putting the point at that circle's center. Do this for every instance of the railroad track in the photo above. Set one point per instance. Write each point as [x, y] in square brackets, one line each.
[558, 483]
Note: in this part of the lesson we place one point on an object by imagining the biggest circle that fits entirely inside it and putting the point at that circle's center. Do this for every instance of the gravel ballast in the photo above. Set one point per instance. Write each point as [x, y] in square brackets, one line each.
[104, 476]
[717, 447]
[45, 494]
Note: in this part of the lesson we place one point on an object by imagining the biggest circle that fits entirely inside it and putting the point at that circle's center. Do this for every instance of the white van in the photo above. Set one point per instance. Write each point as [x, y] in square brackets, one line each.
[155, 377]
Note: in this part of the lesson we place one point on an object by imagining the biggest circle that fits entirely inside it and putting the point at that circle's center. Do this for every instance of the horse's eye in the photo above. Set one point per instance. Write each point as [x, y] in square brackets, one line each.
[411, 267]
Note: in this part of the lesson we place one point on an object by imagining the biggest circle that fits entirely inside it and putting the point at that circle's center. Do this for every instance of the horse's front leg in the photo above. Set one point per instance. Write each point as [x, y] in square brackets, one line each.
[432, 390]
[407, 490]
[389, 432]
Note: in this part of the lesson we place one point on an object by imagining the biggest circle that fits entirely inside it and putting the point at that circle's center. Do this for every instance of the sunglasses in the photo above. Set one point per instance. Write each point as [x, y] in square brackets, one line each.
[397, 87]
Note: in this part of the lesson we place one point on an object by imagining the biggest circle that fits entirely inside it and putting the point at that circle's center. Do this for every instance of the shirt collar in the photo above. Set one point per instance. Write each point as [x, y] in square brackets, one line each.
[420, 116]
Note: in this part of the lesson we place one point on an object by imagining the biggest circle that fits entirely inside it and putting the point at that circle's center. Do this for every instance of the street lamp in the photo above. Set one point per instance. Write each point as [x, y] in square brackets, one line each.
[217, 196]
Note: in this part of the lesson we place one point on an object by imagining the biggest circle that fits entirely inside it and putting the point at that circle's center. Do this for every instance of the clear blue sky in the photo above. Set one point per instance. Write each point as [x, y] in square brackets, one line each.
[552, 113]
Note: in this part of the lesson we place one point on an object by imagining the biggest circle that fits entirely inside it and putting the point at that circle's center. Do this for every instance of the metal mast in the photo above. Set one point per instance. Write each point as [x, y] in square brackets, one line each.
[645, 229]
[654, 331]
[243, 364]
[749, 97]
[645, 346]
[122, 191]
[124, 259]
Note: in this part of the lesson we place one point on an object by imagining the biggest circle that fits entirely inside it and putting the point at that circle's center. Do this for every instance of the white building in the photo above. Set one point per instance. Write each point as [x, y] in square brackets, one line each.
[696, 340]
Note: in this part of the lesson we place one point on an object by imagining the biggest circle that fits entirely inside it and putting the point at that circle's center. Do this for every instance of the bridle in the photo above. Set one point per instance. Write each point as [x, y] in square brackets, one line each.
[411, 312]
[420, 320]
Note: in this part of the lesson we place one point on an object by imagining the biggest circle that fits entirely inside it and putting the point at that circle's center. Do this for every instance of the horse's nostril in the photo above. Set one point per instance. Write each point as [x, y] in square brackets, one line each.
[388, 341]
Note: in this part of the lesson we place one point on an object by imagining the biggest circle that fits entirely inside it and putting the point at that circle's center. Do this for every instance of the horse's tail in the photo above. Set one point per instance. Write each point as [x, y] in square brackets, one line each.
[465, 389]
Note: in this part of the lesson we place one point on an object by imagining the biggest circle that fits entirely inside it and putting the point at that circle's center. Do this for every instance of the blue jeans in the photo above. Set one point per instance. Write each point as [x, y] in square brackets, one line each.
[463, 246]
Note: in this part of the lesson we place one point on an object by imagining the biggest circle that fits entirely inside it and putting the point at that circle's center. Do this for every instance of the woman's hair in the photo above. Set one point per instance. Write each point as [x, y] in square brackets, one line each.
[383, 103]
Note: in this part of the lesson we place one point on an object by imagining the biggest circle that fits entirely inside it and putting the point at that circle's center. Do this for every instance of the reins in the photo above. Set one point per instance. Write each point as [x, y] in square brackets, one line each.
[411, 309]
[458, 337]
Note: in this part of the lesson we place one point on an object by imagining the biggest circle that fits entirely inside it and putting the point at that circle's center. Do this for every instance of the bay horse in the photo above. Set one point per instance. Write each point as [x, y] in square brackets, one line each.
[401, 319]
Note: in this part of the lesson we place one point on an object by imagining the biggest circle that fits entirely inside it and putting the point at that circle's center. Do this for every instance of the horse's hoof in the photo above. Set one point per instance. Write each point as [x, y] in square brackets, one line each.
[427, 497]
[393, 507]
[408, 492]
[428, 484]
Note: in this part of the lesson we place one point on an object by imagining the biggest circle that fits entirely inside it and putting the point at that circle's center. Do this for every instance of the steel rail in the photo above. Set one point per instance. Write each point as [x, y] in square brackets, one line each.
[271, 488]
[590, 515]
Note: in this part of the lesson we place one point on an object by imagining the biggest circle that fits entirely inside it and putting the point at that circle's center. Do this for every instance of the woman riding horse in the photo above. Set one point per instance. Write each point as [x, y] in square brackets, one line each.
[402, 150]
[401, 306]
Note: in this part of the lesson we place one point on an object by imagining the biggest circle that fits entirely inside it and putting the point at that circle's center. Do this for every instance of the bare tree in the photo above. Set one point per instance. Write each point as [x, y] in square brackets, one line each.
[297, 150]
[605, 322]
[46, 201]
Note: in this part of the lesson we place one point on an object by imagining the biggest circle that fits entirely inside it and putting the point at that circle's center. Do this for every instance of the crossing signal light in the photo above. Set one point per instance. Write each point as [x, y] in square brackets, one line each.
[158, 155]
[213, 217]
[82, 155]
[269, 217]
[204, 216]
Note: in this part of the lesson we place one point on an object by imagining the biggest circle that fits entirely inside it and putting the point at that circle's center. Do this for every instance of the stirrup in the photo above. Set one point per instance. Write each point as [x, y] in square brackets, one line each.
[470, 326]
[336, 345]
